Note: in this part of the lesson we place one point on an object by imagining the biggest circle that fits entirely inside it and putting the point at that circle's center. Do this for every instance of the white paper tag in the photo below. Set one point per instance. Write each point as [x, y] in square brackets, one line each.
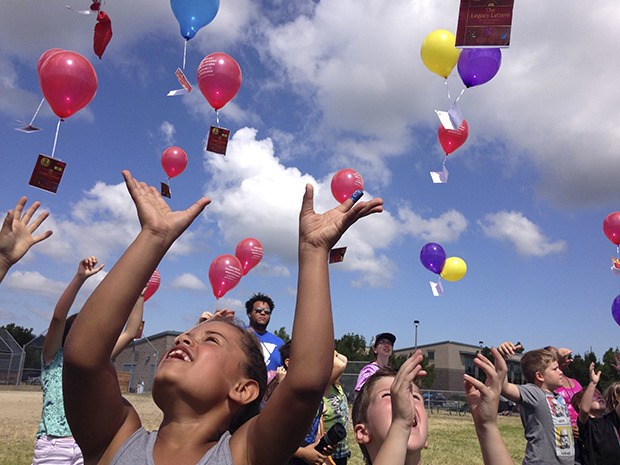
[455, 115]
[436, 288]
[174, 93]
[440, 177]
[615, 271]
[28, 129]
[444, 119]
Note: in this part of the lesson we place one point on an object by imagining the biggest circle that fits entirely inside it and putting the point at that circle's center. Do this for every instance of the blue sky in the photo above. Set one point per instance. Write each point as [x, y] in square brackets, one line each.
[327, 85]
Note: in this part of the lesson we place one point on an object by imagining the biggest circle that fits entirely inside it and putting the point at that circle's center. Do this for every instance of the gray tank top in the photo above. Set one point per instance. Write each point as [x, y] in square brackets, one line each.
[138, 450]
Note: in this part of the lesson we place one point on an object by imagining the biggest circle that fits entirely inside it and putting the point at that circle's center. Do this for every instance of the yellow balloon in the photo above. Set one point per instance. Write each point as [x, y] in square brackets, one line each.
[454, 269]
[438, 52]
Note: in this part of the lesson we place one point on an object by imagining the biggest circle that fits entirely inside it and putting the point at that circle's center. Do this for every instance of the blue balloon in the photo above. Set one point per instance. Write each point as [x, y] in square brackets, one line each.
[433, 257]
[193, 15]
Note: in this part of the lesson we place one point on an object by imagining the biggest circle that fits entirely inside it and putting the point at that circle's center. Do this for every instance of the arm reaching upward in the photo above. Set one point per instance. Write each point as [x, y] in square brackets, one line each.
[53, 339]
[276, 433]
[483, 400]
[89, 378]
[132, 327]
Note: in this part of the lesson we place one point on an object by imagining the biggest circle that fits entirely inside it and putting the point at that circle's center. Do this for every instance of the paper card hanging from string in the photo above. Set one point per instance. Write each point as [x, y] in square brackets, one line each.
[337, 255]
[218, 140]
[165, 190]
[452, 118]
[440, 177]
[436, 288]
[187, 87]
[47, 173]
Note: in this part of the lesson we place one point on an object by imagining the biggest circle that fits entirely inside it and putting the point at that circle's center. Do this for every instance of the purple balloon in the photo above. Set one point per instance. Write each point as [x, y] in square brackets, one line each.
[615, 309]
[433, 257]
[478, 65]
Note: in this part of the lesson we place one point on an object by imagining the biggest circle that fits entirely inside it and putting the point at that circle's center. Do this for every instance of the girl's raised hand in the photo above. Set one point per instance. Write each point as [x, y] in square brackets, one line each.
[322, 231]
[154, 213]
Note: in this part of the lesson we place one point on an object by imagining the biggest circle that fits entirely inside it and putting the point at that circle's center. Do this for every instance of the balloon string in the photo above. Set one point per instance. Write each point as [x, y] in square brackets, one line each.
[217, 118]
[460, 95]
[447, 89]
[37, 112]
[184, 53]
[56, 137]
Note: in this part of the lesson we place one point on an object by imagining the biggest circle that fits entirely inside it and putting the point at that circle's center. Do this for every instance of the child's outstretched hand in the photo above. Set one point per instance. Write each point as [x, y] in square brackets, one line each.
[483, 399]
[154, 213]
[88, 267]
[402, 391]
[16, 234]
[595, 376]
[324, 230]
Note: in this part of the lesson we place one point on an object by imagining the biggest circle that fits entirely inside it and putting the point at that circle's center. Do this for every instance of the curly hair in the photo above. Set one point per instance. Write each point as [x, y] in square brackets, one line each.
[258, 297]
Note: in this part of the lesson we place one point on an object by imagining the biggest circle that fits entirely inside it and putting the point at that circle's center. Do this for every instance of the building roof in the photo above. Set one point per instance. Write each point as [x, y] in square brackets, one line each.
[154, 337]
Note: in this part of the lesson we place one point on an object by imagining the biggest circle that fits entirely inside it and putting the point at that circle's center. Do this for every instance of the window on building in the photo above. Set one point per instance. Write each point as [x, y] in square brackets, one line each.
[470, 368]
[431, 355]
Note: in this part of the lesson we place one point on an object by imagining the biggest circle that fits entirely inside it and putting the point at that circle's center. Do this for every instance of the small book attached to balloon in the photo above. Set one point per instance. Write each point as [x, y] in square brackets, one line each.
[337, 255]
[165, 190]
[47, 173]
[218, 140]
[436, 288]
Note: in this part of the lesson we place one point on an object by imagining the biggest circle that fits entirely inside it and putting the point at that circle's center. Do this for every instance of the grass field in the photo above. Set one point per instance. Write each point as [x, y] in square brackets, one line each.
[451, 441]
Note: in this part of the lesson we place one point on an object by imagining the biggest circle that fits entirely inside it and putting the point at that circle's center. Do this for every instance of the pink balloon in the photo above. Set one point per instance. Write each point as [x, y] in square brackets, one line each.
[219, 78]
[249, 252]
[174, 161]
[68, 82]
[345, 182]
[152, 285]
[224, 273]
[611, 227]
[43, 58]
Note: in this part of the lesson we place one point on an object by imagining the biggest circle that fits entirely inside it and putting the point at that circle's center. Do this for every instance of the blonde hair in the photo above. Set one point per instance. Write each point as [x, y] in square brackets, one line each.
[612, 395]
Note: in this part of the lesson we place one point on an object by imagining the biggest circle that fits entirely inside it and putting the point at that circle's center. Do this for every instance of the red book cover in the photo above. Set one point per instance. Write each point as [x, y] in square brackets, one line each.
[47, 173]
[484, 23]
[218, 140]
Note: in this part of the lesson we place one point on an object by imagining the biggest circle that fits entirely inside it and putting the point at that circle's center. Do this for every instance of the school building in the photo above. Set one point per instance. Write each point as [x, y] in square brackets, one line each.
[453, 359]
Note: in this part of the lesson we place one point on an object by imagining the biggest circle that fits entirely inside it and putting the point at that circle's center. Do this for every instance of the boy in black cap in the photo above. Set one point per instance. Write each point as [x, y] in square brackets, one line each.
[383, 347]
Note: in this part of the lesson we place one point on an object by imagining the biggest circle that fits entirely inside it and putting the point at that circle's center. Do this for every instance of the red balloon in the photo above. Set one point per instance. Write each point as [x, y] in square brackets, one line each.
[345, 182]
[68, 81]
[219, 78]
[44, 56]
[611, 227]
[224, 273]
[152, 285]
[174, 161]
[249, 252]
[452, 139]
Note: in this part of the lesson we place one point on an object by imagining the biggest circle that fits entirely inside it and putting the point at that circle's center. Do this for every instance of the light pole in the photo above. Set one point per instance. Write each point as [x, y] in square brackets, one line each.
[416, 324]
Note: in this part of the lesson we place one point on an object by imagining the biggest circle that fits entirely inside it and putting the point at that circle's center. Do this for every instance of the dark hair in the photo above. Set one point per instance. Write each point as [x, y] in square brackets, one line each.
[68, 323]
[258, 297]
[254, 368]
[362, 402]
[536, 361]
[285, 352]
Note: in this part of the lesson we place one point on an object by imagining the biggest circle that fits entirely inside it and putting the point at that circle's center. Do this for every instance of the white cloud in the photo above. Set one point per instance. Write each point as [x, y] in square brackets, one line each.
[103, 223]
[34, 282]
[447, 227]
[358, 63]
[188, 281]
[255, 195]
[167, 130]
[525, 236]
